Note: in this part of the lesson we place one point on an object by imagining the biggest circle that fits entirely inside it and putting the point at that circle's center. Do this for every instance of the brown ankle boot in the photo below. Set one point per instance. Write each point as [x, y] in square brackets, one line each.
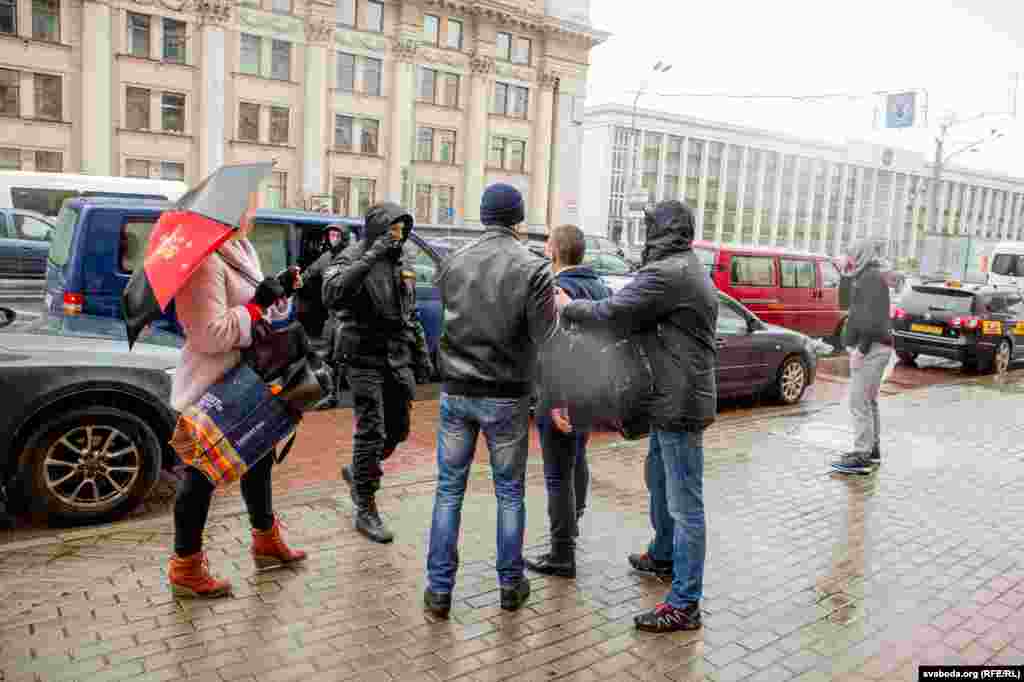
[190, 577]
[269, 548]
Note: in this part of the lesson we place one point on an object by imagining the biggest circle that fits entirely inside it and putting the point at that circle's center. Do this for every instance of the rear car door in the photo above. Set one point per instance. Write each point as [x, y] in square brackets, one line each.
[752, 280]
[735, 348]
[798, 285]
[33, 237]
[829, 312]
[10, 250]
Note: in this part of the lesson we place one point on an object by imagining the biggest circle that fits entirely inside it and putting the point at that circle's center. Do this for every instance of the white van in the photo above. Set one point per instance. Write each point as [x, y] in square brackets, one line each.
[1006, 265]
[45, 192]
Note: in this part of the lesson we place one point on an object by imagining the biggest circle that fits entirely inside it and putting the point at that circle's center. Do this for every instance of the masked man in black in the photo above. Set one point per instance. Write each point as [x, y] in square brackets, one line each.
[382, 346]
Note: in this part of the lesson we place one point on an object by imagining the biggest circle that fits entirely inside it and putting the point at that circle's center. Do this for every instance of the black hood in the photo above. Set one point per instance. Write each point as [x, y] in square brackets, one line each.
[380, 218]
[670, 230]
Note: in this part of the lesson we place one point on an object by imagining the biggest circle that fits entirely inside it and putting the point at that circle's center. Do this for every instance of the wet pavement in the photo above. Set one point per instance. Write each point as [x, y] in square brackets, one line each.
[810, 575]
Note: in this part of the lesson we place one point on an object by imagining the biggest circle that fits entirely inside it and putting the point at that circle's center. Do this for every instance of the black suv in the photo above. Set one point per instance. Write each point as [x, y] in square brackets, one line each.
[980, 325]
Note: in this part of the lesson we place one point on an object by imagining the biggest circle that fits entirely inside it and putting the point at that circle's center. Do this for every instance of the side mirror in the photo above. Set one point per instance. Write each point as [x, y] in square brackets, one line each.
[7, 317]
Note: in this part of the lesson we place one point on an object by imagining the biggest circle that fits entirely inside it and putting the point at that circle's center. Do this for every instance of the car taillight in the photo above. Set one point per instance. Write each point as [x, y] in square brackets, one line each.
[899, 314]
[73, 303]
[964, 322]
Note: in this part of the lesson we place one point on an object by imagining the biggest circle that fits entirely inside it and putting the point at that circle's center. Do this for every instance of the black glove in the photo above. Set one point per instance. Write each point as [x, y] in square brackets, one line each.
[268, 293]
[424, 370]
[287, 280]
[382, 247]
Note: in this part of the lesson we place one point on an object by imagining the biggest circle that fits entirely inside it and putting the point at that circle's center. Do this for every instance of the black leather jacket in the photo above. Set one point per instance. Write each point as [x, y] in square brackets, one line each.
[374, 301]
[671, 309]
[499, 308]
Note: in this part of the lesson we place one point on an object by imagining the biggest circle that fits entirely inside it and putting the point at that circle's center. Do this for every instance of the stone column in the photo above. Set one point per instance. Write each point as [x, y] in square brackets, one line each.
[318, 35]
[540, 166]
[97, 112]
[212, 99]
[475, 174]
[401, 183]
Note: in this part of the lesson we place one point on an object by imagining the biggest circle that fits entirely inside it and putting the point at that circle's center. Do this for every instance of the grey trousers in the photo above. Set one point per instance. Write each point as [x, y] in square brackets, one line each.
[865, 383]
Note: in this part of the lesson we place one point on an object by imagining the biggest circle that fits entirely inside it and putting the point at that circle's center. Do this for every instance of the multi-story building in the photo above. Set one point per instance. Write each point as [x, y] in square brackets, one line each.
[418, 101]
[752, 186]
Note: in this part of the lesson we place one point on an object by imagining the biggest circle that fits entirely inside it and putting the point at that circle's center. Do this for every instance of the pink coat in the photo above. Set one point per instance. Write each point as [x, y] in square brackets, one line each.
[211, 310]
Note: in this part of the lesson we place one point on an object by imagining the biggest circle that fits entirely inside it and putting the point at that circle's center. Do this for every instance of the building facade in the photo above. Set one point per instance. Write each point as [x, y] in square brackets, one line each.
[424, 102]
[750, 186]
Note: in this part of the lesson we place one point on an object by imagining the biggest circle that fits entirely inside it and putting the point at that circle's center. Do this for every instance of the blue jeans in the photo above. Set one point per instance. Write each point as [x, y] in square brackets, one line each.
[567, 477]
[505, 425]
[675, 478]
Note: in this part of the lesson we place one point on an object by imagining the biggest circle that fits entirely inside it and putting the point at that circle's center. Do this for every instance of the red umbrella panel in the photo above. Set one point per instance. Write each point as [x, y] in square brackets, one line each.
[178, 245]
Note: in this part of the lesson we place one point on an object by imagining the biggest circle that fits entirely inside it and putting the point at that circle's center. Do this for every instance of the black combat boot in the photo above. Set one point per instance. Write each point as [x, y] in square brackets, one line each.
[367, 518]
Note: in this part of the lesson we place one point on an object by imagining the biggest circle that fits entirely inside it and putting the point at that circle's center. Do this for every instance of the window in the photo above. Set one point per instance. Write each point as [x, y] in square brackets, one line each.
[521, 51]
[798, 274]
[271, 243]
[281, 60]
[138, 35]
[375, 16]
[343, 133]
[281, 6]
[346, 72]
[279, 117]
[503, 46]
[248, 122]
[370, 136]
[454, 34]
[46, 20]
[450, 98]
[508, 154]
[277, 195]
[345, 12]
[428, 85]
[30, 228]
[423, 203]
[49, 162]
[425, 144]
[136, 168]
[516, 156]
[445, 208]
[1004, 264]
[49, 99]
[446, 146]
[431, 29]
[173, 112]
[251, 54]
[753, 271]
[174, 41]
[45, 201]
[365, 190]
[497, 156]
[172, 170]
[730, 322]
[137, 109]
[511, 100]
[830, 276]
[134, 239]
[9, 16]
[372, 69]
[444, 152]
[342, 194]
[10, 92]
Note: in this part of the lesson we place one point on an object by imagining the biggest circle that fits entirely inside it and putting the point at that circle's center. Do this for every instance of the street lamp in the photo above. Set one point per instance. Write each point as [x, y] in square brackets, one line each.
[637, 198]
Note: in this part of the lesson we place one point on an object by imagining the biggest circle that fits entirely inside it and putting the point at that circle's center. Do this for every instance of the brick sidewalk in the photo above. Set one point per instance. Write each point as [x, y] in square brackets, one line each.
[809, 576]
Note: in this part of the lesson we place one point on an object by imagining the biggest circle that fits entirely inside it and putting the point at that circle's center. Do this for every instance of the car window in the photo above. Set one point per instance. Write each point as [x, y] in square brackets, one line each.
[1005, 264]
[3, 227]
[60, 247]
[730, 321]
[271, 243]
[754, 271]
[922, 299]
[707, 257]
[797, 274]
[134, 240]
[31, 228]
[45, 201]
[421, 263]
[830, 276]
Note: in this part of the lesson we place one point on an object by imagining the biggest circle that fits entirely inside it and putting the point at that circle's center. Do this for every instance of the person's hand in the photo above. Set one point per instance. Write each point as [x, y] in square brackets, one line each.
[561, 298]
[383, 246]
[290, 280]
[424, 371]
[268, 293]
[560, 418]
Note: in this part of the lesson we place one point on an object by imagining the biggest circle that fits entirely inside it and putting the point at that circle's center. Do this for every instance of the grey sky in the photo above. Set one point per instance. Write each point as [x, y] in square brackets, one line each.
[962, 52]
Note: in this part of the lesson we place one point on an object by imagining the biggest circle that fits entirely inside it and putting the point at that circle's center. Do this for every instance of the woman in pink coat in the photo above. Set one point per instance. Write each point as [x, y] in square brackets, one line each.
[217, 308]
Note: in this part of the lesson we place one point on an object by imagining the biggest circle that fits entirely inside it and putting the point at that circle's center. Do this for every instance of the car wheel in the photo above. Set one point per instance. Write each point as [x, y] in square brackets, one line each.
[906, 358]
[1001, 358]
[90, 465]
[792, 380]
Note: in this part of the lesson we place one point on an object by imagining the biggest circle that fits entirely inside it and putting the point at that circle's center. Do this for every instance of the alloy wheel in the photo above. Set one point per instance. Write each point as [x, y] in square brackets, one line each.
[792, 380]
[92, 465]
[1001, 361]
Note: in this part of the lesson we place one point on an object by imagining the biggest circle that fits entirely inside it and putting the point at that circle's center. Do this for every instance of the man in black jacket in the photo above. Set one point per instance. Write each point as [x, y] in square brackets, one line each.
[670, 308]
[868, 339]
[314, 315]
[498, 301]
[374, 299]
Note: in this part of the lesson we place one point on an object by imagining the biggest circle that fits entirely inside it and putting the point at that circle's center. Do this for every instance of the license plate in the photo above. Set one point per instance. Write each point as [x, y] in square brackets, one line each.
[926, 328]
[993, 328]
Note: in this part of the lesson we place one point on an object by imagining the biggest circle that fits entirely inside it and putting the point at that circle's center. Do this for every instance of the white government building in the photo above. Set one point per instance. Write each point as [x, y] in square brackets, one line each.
[751, 186]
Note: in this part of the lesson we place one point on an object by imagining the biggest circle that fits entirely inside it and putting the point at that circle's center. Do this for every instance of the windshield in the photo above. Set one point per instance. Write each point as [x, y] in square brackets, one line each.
[924, 299]
[63, 233]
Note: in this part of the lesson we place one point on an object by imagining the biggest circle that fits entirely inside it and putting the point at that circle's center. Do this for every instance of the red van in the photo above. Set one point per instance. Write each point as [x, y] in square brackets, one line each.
[790, 289]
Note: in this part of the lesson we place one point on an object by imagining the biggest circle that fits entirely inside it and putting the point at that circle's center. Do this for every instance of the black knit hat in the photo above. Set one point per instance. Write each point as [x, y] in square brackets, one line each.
[502, 205]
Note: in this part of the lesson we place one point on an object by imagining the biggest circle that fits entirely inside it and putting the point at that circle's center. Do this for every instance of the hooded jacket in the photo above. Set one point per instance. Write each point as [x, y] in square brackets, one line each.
[499, 308]
[670, 308]
[312, 312]
[868, 320]
[374, 300]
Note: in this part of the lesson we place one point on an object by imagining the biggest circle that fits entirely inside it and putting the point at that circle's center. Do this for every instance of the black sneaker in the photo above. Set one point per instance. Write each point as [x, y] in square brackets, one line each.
[876, 456]
[643, 563]
[853, 463]
[665, 618]
[513, 598]
[550, 564]
[437, 604]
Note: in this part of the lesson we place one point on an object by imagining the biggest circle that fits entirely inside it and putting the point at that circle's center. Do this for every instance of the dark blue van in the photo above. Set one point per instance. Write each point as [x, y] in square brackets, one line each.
[98, 242]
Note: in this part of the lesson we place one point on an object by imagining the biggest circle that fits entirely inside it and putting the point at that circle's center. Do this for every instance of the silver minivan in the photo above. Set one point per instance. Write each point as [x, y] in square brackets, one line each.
[1006, 266]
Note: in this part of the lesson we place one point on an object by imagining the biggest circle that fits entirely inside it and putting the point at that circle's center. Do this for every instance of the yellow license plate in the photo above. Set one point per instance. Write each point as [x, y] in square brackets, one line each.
[993, 328]
[926, 328]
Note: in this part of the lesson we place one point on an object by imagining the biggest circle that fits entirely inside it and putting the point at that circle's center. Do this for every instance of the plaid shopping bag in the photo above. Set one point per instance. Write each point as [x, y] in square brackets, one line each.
[236, 423]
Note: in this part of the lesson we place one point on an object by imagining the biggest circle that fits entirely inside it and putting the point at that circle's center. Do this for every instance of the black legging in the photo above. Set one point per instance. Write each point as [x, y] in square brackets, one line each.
[195, 492]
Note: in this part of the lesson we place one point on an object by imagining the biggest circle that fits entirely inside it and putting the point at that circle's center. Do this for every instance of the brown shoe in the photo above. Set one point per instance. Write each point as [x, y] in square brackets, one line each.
[269, 548]
[190, 577]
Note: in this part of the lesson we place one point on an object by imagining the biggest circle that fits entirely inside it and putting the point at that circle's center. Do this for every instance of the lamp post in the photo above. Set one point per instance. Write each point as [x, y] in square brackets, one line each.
[636, 197]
